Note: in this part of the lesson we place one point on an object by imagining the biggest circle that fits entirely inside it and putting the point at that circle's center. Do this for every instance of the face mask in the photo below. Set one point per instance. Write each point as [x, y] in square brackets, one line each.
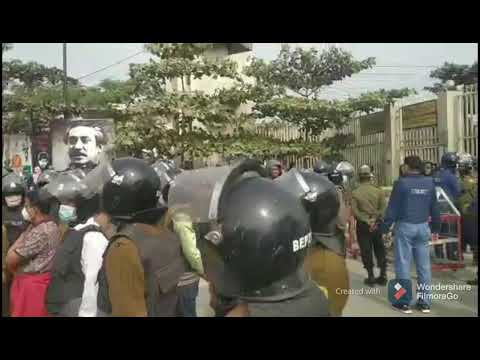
[67, 213]
[26, 215]
[13, 200]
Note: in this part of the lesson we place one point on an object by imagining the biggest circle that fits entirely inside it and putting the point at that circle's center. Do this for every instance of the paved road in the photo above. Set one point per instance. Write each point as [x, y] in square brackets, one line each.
[374, 302]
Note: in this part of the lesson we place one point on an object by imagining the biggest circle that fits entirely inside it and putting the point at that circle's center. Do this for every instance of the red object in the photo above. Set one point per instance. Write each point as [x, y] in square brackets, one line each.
[400, 293]
[454, 264]
[28, 294]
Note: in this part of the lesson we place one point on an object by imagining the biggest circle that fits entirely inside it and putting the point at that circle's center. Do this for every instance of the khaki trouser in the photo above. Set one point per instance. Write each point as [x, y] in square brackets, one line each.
[329, 270]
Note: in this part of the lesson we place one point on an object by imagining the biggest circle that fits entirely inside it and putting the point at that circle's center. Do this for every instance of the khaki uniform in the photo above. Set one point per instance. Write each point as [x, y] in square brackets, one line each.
[469, 191]
[329, 269]
[368, 206]
[368, 202]
[126, 279]
[469, 186]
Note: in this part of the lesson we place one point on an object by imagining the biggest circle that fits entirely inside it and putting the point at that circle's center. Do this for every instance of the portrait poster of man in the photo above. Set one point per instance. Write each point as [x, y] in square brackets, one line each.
[79, 143]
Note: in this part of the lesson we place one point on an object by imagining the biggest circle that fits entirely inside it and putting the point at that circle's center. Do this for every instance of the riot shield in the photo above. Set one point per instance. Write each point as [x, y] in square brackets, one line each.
[198, 193]
[293, 182]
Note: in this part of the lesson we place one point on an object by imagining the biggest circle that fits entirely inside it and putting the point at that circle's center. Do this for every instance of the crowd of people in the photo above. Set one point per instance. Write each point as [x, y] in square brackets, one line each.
[132, 238]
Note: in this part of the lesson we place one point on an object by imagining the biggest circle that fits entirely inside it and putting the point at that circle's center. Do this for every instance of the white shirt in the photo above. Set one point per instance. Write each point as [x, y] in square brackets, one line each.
[94, 245]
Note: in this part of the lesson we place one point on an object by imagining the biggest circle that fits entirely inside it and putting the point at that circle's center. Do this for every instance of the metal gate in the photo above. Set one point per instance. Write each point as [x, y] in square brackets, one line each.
[420, 141]
[467, 119]
[367, 149]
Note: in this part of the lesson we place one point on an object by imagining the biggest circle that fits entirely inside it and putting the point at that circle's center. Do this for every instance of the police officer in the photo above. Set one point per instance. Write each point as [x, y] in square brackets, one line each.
[468, 193]
[179, 222]
[274, 168]
[254, 243]
[326, 259]
[348, 172]
[13, 193]
[446, 177]
[368, 205]
[412, 202]
[322, 167]
[13, 224]
[143, 262]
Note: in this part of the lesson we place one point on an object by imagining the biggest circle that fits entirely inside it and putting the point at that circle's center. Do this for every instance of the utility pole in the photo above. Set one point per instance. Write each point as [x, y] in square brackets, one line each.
[65, 90]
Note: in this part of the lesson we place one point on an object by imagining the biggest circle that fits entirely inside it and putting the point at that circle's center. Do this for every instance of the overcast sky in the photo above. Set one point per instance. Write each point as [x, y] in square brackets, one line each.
[399, 64]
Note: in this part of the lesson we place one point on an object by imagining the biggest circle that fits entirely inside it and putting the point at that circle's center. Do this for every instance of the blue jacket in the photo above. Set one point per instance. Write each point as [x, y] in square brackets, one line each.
[446, 179]
[413, 200]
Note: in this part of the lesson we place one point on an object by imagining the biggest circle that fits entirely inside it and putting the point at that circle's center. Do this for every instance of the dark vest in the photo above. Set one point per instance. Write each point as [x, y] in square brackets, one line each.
[67, 275]
[163, 265]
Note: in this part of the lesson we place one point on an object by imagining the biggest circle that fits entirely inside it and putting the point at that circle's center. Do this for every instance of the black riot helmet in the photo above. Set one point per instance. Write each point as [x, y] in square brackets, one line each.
[12, 184]
[465, 163]
[364, 172]
[46, 177]
[336, 178]
[322, 167]
[324, 207]
[345, 168]
[70, 188]
[449, 160]
[132, 193]
[166, 171]
[258, 235]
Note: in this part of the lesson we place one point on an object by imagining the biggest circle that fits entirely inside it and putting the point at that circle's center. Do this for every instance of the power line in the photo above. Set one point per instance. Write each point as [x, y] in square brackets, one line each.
[111, 65]
[407, 66]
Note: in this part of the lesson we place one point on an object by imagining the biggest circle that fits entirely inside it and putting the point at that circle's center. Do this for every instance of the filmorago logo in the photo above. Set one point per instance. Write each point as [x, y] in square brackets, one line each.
[400, 291]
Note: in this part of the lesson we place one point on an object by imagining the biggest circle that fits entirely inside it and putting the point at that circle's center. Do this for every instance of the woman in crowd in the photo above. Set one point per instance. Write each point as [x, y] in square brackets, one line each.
[30, 258]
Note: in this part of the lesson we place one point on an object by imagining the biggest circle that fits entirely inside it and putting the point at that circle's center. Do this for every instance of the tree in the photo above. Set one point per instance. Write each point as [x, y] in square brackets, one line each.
[292, 84]
[460, 74]
[174, 119]
[7, 46]
[31, 95]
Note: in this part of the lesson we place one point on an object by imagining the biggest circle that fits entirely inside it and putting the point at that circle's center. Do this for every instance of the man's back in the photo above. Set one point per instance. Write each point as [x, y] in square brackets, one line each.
[413, 200]
[368, 200]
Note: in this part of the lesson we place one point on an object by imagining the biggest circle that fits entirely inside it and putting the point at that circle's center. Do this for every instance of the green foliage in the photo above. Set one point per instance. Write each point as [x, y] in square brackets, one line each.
[460, 74]
[7, 46]
[306, 73]
[201, 121]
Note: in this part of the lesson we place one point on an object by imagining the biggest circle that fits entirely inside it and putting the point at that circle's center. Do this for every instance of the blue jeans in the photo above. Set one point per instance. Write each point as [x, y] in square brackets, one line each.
[412, 240]
[187, 296]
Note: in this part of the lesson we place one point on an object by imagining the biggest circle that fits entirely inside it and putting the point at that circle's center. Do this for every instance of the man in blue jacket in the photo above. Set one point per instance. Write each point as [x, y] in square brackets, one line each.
[412, 202]
[447, 178]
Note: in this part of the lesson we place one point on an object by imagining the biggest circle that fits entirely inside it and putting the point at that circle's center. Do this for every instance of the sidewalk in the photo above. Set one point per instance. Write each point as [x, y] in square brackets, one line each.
[374, 302]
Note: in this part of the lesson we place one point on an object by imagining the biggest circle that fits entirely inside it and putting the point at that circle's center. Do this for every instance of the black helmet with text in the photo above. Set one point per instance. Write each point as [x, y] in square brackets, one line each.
[257, 235]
